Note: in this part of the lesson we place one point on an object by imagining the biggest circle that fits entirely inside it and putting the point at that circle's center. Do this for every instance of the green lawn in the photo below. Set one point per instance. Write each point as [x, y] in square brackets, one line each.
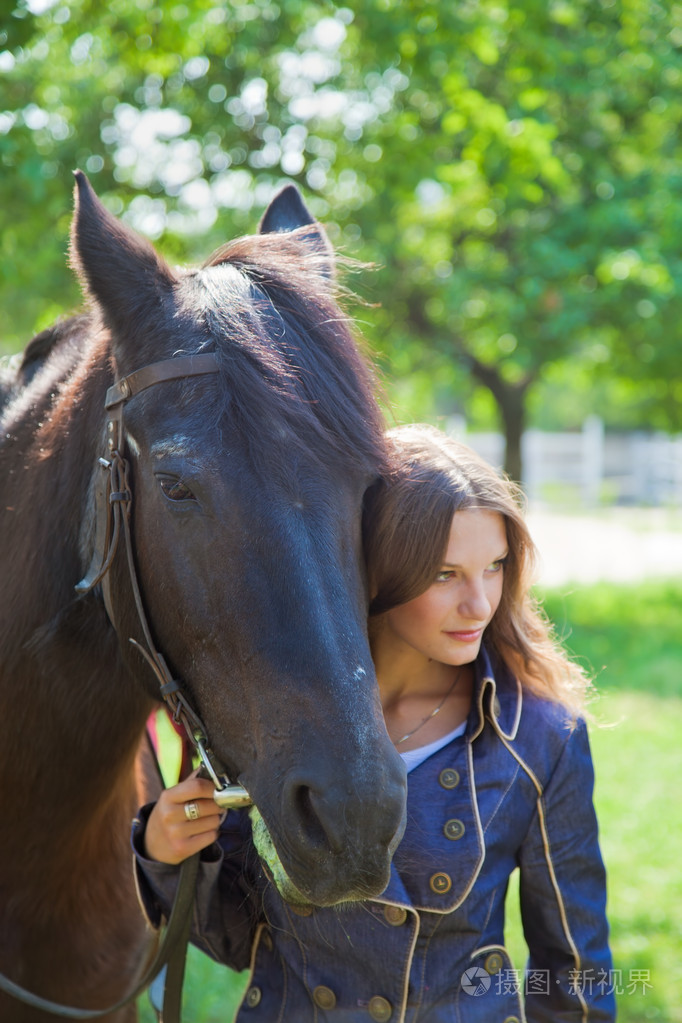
[630, 638]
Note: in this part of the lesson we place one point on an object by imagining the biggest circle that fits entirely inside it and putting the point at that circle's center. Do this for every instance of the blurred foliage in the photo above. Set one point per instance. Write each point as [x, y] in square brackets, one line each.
[513, 170]
[624, 635]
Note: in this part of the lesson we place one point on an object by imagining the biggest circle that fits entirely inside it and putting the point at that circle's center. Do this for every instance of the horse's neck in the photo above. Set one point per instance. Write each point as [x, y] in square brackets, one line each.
[67, 892]
[71, 713]
[71, 744]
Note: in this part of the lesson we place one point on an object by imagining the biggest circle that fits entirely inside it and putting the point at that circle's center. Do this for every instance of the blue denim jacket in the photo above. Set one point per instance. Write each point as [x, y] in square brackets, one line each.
[514, 791]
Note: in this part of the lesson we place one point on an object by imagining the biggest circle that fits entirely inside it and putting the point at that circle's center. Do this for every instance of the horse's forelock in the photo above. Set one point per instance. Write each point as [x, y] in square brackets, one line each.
[288, 349]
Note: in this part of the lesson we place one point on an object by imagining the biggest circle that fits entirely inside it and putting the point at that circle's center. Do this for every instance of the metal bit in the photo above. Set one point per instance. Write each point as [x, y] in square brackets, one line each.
[232, 797]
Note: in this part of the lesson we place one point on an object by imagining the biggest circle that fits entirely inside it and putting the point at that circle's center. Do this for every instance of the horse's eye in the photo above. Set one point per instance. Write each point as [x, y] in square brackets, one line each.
[176, 490]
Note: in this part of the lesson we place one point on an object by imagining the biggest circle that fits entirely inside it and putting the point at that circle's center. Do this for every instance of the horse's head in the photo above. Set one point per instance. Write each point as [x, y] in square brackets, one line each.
[247, 494]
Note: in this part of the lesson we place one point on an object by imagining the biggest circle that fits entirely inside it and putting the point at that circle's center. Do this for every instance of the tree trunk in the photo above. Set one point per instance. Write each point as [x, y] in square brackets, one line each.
[511, 401]
[513, 411]
[509, 397]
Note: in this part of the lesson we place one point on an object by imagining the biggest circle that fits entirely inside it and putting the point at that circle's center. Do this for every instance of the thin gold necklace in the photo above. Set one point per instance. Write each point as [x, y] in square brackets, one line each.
[432, 714]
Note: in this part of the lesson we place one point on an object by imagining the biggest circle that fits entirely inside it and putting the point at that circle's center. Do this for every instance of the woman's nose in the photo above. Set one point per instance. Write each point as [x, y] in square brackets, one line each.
[474, 603]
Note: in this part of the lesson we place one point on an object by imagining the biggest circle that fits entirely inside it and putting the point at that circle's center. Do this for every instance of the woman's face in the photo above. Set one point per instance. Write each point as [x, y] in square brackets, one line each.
[446, 623]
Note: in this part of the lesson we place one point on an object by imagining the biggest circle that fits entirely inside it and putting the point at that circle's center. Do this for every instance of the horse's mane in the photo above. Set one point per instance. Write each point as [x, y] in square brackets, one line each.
[18, 370]
[48, 359]
[292, 358]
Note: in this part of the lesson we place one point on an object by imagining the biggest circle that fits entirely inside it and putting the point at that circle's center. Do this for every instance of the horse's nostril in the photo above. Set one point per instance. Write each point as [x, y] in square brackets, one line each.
[317, 815]
[310, 822]
[339, 840]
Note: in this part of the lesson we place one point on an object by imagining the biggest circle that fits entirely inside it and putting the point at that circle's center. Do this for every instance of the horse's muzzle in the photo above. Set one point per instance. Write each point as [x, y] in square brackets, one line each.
[335, 846]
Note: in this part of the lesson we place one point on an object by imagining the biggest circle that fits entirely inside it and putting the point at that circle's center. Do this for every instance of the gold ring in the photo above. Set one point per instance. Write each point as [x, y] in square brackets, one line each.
[191, 811]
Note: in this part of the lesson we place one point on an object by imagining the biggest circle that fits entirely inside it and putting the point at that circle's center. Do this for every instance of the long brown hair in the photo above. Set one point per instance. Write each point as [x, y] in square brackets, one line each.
[407, 524]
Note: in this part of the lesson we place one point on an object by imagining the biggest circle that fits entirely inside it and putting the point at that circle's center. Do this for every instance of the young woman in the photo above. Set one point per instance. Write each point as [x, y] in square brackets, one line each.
[486, 711]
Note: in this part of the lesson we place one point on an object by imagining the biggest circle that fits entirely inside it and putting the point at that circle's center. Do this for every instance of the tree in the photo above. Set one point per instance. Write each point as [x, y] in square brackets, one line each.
[535, 222]
[511, 168]
[157, 102]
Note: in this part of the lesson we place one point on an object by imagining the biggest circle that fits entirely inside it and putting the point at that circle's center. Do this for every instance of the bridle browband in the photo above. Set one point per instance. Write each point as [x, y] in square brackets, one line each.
[160, 373]
[113, 501]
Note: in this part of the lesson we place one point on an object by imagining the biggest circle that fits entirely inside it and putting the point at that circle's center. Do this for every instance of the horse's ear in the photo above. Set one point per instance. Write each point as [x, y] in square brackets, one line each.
[287, 212]
[118, 268]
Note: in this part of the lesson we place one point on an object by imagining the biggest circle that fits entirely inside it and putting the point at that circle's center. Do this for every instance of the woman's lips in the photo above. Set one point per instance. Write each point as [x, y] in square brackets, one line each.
[465, 635]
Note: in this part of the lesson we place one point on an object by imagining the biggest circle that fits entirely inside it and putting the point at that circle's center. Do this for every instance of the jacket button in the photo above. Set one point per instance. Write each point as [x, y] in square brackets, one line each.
[395, 915]
[512, 1019]
[324, 997]
[253, 997]
[493, 963]
[380, 1009]
[449, 778]
[454, 829]
[440, 883]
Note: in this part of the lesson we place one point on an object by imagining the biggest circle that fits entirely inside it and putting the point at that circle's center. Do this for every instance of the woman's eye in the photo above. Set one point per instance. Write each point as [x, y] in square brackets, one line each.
[445, 575]
[176, 490]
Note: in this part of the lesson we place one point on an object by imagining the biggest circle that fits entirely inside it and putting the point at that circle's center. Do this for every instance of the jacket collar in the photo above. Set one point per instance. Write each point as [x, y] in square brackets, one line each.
[498, 697]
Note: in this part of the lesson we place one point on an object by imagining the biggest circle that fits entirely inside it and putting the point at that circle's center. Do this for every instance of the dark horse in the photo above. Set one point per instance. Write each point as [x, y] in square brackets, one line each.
[247, 491]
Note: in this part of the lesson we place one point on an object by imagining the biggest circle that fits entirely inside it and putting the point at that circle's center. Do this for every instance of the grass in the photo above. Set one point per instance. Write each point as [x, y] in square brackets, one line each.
[211, 993]
[628, 637]
[630, 640]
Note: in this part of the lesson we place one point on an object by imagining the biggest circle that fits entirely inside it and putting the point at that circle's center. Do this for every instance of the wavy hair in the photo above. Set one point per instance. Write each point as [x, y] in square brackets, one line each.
[407, 521]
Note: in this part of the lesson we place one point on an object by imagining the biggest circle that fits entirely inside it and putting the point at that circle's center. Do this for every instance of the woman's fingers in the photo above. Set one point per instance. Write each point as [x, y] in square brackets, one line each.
[184, 820]
[197, 812]
[191, 788]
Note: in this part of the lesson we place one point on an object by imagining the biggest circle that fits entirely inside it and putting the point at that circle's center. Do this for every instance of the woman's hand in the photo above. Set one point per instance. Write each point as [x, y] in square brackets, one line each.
[184, 820]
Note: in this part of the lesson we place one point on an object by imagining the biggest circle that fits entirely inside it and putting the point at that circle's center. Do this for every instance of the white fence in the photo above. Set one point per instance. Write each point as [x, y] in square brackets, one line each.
[592, 466]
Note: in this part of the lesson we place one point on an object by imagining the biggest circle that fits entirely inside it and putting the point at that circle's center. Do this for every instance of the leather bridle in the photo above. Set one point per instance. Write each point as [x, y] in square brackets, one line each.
[113, 502]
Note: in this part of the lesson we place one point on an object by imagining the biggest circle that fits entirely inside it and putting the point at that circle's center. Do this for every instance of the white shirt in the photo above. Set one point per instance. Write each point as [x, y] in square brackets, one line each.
[414, 757]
